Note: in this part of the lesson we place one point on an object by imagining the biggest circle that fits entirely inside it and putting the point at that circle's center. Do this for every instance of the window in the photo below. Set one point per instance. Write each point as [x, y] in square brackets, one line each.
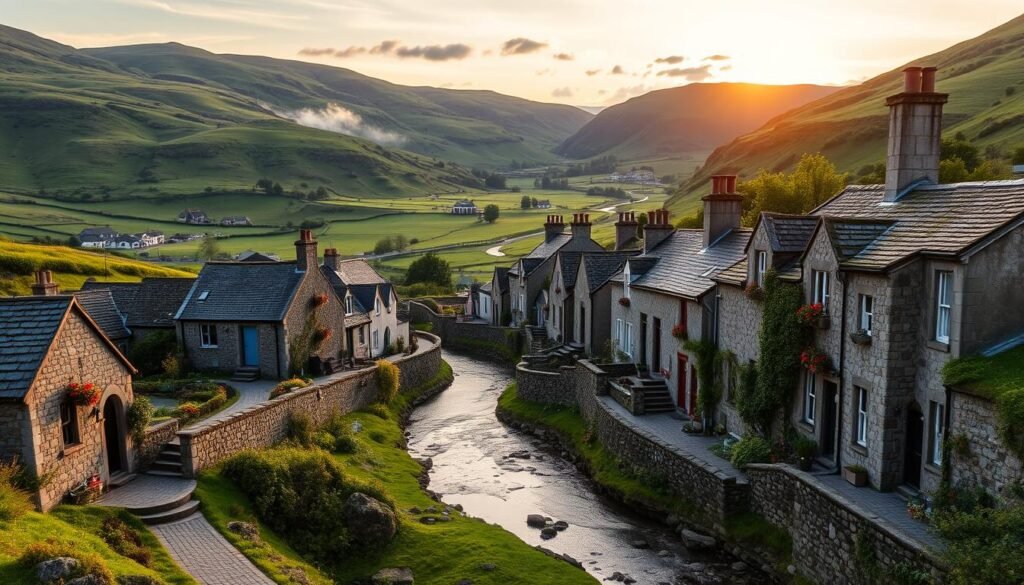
[821, 289]
[376, 305]
[69, 423]
[625, 281]
[761, 267]
[861, 436]
[203, 295]
[629, 341]
[362, 336]
[208, 335]
[935, 433]
[810, 398]
[943, 304]
[867, 315]
[350, 306]
[376, 339]
[618, 334]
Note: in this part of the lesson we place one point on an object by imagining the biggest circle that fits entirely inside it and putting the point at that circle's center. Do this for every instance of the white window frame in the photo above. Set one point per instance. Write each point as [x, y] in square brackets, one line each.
[208, 335]
[821, 289]
[761, 267]
[943, 304]
[376, 305]
[350, 306]
[810, 397]
[625, 281]
[619, 332]
[376, 339]
[629, 341]
[867, 313]
[362, 336]
[861, 436]
[936, 432]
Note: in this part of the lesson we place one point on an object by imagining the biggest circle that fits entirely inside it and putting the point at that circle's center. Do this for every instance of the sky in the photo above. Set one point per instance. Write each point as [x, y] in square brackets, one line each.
[581, 52]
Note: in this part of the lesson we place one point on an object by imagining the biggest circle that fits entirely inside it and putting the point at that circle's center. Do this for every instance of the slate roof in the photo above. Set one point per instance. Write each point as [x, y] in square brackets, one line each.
[788, 233]
[253, 256]
[735, 274]
[356, 271]
[944, 220]
[602, 267]
[684, 267]
[570, 262]
[241, 291]
[502, 274]
[547, 249]
[528, 264]
[157, 301]
[486, 287]
[851, 236]
[123, 292]
[637, 265]
[99, 303]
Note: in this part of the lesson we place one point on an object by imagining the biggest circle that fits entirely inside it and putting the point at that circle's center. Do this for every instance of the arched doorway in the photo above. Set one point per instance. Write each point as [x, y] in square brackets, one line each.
[914, 446]
[114, 435]
[387, 337]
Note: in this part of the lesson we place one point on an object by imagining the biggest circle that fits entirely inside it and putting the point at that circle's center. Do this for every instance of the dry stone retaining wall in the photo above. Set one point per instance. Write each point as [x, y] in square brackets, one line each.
[265, 424]
[475, 338]
[981, 457]
[154, 440]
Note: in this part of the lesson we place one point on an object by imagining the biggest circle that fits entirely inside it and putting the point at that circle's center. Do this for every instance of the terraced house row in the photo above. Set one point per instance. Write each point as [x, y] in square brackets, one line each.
[896, 281]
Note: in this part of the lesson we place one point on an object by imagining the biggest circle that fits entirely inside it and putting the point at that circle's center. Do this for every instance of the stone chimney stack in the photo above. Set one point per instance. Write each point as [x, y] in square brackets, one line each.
[331, 258]
[553, 227]
[915, 131]
[580, 226]
[44, 285]
[657, 229]
[305, 251]
[723, 208]
[625, 229]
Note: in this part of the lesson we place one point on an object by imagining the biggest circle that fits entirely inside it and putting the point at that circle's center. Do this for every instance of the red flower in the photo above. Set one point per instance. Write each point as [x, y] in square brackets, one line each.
[318, 300]
[679, 331]
[86, 394]
[808, 314]
[814, 360]
[322, 334]
[754, 292]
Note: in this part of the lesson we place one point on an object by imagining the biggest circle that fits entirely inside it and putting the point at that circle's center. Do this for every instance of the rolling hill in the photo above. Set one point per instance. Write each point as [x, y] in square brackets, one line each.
[469, 127]
[691, 118]
[986, 87]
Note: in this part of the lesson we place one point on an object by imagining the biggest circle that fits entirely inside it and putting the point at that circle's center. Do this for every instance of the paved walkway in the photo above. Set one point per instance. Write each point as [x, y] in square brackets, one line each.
[249, 394]
[148, 491]
[199, 549]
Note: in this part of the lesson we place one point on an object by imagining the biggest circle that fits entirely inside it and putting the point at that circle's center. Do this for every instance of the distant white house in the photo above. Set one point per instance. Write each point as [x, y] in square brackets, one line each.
[236, 220]
[96, 237]
[464, 207]
[544, 204]
[125, 242]
[195, 216]
[151, 238]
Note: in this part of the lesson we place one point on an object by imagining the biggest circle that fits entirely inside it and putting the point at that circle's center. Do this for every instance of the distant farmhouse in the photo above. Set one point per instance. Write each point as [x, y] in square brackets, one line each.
[636, 176]
[464, 207]
[193, 216]
[236, 220]
[105, 237]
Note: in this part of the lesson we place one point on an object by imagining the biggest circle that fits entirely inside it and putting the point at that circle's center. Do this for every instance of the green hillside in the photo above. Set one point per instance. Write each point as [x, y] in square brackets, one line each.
[691, 118]
[475, 128]
[986, 87]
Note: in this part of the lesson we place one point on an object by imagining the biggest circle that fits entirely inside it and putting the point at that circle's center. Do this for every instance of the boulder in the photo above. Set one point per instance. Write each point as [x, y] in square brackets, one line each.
[536, 521]
[55, 569]
[393, 576]
[640, 544]
[86, 580]
[560, 525]
[548, 533]
[246, 530]
[488, 567]
[369, 521]
[695, 541]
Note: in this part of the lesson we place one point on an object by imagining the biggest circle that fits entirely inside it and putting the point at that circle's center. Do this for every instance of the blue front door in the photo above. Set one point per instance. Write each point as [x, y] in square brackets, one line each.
[250, 346]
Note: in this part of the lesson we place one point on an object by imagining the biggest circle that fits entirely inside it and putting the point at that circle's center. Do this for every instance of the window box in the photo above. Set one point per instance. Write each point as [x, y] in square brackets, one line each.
[624, 301]
[856, 475]
[861, 338]
[754, 292]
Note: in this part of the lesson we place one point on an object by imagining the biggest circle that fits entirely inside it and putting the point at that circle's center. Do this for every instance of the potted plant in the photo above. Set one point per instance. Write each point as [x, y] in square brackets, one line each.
[814, 360]
[861, 337]
[813, 315]
[805, 449]
[917, 509]
[85, 394]
[857, 475]
[754, 292]
[624, 301]
[679, 331]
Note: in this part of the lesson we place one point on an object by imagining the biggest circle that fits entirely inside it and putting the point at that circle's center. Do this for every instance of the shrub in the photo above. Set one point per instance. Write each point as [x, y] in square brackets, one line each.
[983, 546]
[171, 366]
[140, 412]
[187, 411]
[126, 541]
[149, 353]
[379, 410]
[324, 440]
[88, 563]
[805, 446]
[345, 444]
[378, 437]
[13, 501]
[1010, 409]
[387, 381]
[287, 386]
[300, 429]
[431, 304]
[750, 449]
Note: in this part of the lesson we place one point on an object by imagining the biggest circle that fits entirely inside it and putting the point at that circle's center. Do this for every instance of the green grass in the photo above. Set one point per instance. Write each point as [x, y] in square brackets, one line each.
[440, 553]
[78, 527]
[989, 377]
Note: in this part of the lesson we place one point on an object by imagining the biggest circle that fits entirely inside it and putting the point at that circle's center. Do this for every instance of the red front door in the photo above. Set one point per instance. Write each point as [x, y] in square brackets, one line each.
[681, 376]
[693, 392]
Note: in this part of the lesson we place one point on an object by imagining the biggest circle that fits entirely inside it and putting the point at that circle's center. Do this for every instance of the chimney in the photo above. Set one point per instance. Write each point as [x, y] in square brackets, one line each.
[305, 251]
[657, 229]
[722, 208]
[553, 227]
[625, 229]
[44, 285]
[331, 258]
[915, 131]
[580, 226]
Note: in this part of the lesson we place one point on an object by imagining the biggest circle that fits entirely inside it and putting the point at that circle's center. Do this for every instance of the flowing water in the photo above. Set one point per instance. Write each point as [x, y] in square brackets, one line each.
[469, 447]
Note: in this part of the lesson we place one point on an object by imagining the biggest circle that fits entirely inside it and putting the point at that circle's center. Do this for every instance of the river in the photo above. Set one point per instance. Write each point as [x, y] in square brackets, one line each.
[469, 447]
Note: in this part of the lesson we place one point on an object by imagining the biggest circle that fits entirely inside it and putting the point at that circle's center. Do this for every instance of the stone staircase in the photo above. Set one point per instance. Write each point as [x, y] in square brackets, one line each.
[246, 374]
[539, 339]
[566, 351]
[656, 397]
[168, 462]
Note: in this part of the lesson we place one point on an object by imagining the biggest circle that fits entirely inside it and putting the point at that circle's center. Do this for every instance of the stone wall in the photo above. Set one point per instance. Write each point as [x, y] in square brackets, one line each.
[156, 437]
[545, 387]
[977, 455]
[266, 423]
[475, 338]
[834, 540]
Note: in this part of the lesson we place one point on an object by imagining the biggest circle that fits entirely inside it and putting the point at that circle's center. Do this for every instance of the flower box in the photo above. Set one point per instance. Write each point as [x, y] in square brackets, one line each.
[754, 292]
[814, 360]
[85, 394]
[810, 313]
[679, 332]
[856, 475]
[861, 337]
[624, 301]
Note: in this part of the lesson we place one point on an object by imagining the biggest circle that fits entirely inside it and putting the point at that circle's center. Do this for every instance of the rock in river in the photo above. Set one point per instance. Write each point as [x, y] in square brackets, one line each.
[695, 541]
[536, 520]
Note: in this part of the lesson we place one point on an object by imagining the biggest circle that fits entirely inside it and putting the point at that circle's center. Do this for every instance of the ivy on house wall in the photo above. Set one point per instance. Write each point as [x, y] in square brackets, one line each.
[710, 383]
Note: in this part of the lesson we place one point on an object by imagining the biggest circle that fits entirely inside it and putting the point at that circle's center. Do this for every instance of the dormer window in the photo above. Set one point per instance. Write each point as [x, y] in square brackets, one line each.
[376, 305]
[760, 267]
[203, 295]
[349, 305]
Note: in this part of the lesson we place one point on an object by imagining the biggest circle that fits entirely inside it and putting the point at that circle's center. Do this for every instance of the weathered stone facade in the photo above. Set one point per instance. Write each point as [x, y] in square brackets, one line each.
[226, 355]
[330, 315]
[977, 455]
[156, 437]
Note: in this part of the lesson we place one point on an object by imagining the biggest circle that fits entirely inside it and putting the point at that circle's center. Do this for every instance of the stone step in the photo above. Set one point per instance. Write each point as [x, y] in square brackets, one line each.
[183, 511]
[157, 509]
[169, 455]
[119, 479]
[169, 466]
[162, 473]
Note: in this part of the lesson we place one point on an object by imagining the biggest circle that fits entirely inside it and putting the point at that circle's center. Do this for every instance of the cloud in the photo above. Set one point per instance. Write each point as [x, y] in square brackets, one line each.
[617, 70]
[435, 52]
[717, 58]
[592, 72]
[689, 73]
[341, 120]
[521, 46]
[562, 92]
[728, 67]
[239, 13]
[670, 60]
[564, 57]
[383, 48]
[349, 52]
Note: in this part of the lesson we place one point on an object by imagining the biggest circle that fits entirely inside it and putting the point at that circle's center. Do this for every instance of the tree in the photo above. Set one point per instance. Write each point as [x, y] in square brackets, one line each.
[813, 181]
[401, 242]
[533, 202]
[430, 268]
[491, 213]
[277, 189]
[959, 148]
[208, 248]
[524, 203]
[952, 170]
[264, 185]
[816, 180]
[695, 221]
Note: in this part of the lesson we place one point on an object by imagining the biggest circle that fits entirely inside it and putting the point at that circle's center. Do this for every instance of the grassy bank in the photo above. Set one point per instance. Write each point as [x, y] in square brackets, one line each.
[647, 492]
[446, 552]
[77, 529]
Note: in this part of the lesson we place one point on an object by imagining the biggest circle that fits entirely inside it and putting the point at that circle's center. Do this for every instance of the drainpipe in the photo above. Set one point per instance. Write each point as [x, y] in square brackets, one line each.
[842, 376]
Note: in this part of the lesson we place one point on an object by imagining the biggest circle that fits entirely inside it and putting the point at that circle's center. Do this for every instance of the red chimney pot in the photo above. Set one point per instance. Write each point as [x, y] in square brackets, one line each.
[928, 79]
[912, 80]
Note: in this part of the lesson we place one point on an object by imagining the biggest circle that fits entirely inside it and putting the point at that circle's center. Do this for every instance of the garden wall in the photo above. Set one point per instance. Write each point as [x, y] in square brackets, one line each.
[977, 454]
[488, 341]
[546, 387]
[834, 540]
[265, 424]
[154, 440]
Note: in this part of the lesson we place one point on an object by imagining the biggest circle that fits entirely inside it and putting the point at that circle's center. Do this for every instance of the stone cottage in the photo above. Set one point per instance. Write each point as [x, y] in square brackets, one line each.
[528, 279]
[263, 319]
[591, 305]
[147, 307]
[500, 297]
[909, 275]
[48, 342]
[371, 305]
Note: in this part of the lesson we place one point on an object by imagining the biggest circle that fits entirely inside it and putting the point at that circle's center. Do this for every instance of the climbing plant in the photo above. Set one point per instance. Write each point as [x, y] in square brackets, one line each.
[781, 340]
[709, 374]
